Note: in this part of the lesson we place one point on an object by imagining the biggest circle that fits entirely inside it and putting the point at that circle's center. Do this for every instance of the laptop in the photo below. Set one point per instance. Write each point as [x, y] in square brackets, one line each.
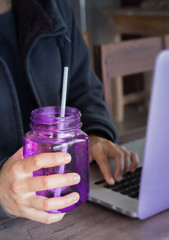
[151, 186]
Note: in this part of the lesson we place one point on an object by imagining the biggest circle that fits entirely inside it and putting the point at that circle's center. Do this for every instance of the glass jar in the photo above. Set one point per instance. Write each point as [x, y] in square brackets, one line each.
[52, 133]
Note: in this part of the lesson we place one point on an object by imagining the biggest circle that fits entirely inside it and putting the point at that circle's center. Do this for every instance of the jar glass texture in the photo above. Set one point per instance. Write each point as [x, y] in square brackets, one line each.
[52, 133]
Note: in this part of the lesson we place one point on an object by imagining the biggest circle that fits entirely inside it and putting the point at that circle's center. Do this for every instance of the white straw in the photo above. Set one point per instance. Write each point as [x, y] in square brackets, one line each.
[57, 191]
[64, 91]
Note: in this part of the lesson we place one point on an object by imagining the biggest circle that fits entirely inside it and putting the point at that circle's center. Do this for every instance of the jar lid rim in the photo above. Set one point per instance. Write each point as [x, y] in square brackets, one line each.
[48, 114]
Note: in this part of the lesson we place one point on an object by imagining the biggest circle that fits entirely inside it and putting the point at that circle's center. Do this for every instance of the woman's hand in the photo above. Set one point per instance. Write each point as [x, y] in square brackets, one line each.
[18, 186]
[101, 150]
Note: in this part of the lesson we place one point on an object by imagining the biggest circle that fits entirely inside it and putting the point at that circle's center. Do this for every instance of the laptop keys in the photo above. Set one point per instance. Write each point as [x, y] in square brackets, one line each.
[100, 182]
[129, 185]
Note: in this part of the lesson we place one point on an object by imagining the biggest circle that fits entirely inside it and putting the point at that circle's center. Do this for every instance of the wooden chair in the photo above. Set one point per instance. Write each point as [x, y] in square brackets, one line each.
[114, 61]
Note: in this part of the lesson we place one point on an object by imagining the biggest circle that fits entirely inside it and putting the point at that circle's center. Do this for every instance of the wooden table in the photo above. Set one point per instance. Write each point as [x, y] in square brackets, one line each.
[89, 222]
[135, 21]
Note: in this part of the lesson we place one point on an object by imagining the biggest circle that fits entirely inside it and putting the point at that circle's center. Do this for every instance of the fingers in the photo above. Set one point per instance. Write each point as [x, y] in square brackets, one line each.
[129, 159]
[45, 160]
[51, 204]
[115, 152]
[122, 162]
[97, 153]
[134, 161]
[104, 166]
[34, 184]
[39, 204]
[102, 149]
[43, 217]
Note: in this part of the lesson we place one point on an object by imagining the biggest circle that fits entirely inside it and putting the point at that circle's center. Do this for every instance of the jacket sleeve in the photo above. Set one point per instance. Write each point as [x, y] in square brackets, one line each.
[85, 90]
[4, 158]
[3, 213]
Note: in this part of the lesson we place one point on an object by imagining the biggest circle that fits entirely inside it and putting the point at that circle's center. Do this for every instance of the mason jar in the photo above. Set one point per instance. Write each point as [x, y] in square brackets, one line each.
[51, 133]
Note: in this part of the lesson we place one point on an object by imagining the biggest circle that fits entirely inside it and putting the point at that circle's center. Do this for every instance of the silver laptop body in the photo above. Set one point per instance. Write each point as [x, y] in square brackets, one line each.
[153, 152]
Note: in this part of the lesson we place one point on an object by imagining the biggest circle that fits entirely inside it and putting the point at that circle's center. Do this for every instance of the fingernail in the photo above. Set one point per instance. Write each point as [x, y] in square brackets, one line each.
[112, 181]
[75, 197]
[76, 178]
[67, 158]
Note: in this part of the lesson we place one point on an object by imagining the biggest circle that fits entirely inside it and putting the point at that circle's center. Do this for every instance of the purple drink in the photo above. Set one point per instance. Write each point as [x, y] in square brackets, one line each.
[52, 133]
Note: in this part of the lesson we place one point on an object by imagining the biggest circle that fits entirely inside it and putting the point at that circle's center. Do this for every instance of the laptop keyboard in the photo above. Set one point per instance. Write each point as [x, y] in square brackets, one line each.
[129, 185]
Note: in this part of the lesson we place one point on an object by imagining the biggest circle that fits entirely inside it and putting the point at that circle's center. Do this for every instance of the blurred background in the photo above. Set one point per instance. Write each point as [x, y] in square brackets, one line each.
[97, 29]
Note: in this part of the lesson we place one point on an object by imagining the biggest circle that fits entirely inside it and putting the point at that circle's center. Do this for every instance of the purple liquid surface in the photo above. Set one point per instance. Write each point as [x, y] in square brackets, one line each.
[78, 149]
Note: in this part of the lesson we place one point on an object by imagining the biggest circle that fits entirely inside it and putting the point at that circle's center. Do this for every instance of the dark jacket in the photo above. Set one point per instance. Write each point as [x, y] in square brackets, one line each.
[49, 39]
